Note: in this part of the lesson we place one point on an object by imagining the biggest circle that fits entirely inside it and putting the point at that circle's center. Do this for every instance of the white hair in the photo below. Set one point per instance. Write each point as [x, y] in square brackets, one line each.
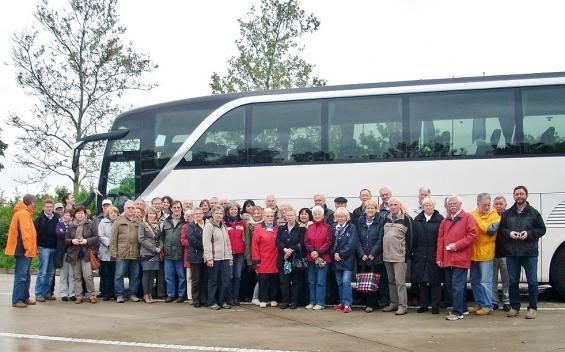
[318, 209]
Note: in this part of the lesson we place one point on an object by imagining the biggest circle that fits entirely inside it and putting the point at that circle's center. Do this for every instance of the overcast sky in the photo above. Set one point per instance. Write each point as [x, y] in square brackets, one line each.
[358, 41]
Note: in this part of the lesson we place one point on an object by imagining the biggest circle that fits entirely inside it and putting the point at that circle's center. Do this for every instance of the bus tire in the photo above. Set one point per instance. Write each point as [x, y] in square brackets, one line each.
[557, 273]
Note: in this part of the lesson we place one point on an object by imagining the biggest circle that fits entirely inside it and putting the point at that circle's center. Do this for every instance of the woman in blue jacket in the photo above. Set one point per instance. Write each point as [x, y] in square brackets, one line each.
[343, 251]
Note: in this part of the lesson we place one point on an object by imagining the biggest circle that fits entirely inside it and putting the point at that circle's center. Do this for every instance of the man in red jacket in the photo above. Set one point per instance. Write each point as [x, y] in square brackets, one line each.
[457, 234]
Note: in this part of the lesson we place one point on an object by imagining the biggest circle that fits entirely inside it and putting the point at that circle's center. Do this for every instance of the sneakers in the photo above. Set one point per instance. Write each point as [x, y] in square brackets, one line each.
[368, 309]
[226, 306]
[134, 298]
[513, 313]
[401, 311]
[531, 313]
[255, 301]
[19, 304]
[390, 308]
[346, 309]
[120, 299]
[310, 306]
[474, 309]
[339, 307]
[263, 304]
[214, 307]
[40, 299]
[274, 303]
[318, 307]
[454, 317]
[482, 311]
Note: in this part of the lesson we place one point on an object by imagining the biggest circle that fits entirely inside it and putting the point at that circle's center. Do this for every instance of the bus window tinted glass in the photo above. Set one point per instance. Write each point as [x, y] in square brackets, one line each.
[222, 144]
[544, 120]
[365, 128]
[286, 132]
[462, 124]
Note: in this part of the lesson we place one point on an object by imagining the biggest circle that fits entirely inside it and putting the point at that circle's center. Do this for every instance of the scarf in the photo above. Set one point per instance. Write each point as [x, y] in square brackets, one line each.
[80, 226]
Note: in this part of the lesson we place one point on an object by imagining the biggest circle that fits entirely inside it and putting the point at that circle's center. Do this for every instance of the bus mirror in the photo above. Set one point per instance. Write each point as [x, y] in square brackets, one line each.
[109, 136]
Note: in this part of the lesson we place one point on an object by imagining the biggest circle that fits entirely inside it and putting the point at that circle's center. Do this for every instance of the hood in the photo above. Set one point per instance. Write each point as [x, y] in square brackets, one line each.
[21, 206]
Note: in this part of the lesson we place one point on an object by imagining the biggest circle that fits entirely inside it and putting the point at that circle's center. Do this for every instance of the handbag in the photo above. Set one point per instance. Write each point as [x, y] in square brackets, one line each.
[299, 263]
[94, 261]
[368, 282]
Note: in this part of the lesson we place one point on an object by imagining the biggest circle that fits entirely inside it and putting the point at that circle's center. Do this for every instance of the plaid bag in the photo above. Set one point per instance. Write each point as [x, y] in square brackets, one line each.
[368, 282]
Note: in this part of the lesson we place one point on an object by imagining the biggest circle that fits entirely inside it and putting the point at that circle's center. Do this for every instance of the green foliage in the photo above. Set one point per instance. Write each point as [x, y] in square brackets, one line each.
[268, 52]
[126, 186]
[3, 147]
[74, 62]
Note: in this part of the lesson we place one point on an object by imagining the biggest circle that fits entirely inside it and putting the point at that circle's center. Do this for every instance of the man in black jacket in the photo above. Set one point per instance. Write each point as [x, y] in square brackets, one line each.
[519, 232]
[45, 224]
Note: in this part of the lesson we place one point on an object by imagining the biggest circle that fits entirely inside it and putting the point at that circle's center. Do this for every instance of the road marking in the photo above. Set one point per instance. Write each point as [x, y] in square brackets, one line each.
[135, 344]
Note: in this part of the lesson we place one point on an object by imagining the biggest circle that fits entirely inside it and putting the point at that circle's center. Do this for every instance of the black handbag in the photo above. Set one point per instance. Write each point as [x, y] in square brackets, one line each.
[299, 263]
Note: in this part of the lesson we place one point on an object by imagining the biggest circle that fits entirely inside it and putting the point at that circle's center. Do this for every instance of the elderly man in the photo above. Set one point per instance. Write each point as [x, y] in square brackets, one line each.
[483, 254]
[271, 202]
[187, 205]
[457, 235]
[423, 193]
[397, 239]
[364, 196]
[520, 229]
[320, 199]
[22, 244]
[499, 265]
[124, 248]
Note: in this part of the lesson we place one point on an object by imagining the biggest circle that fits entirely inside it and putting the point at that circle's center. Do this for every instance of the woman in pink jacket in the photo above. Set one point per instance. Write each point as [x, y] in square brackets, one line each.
[318, 242]
[264, 255]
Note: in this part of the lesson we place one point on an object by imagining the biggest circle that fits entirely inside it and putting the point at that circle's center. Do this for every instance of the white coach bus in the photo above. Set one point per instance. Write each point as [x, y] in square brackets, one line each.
[463, 136]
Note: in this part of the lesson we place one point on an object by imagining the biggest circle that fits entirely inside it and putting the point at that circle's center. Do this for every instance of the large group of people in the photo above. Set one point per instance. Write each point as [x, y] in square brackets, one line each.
[219, 253]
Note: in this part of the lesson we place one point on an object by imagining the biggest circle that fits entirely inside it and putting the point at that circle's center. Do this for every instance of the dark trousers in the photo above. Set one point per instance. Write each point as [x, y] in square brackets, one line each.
[219, 279]
[425, 289]
[147, 281]
[52, 292]
[107, 271]
[161, 287]
[268, 287]
[446, 290]
[199, 277]
[291, 286]
[248, 282]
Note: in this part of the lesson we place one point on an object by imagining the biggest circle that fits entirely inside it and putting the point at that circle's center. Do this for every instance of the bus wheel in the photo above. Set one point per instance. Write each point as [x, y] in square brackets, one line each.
[557, 274]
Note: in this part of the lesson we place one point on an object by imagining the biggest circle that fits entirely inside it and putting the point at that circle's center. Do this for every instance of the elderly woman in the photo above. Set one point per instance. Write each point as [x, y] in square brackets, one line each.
[281, 216]
[264, 254]
[425, 272]
[66, 278]
[397, 240]
[107, 265]
[236, 231]
[290, 244]
[205, 206]
[218, 257]
[150, 247]
[370, 252]
[185, 245]
[318, 242]
[81, 238]
[343, 252]
[198, 271]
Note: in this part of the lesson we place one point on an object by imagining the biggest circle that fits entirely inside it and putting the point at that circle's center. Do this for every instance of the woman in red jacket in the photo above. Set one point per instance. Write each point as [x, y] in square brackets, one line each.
[318, 242]
[236, 231]
[264, 254]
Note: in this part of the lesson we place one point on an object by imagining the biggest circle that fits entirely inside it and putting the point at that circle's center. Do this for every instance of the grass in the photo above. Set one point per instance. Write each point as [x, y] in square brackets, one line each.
[8, 262]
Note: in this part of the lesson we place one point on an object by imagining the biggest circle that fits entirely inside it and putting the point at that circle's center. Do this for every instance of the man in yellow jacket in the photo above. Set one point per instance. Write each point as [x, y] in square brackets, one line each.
[487, 220]
[22, 244]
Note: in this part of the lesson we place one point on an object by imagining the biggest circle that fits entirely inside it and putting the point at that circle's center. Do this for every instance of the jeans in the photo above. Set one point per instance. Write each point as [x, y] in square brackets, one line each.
[123, 267]
[236, 271]
[481, 283]
[317, 283]
[530, 265]
[45, 272]
[343, 278]
[22, 279]
[175, 274]
[458, 285]
[219, 278]
[499, 264]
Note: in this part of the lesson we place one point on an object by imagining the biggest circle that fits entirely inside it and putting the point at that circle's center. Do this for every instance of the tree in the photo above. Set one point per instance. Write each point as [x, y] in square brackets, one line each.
[75, 63]
[3, 147]
[268, 52]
